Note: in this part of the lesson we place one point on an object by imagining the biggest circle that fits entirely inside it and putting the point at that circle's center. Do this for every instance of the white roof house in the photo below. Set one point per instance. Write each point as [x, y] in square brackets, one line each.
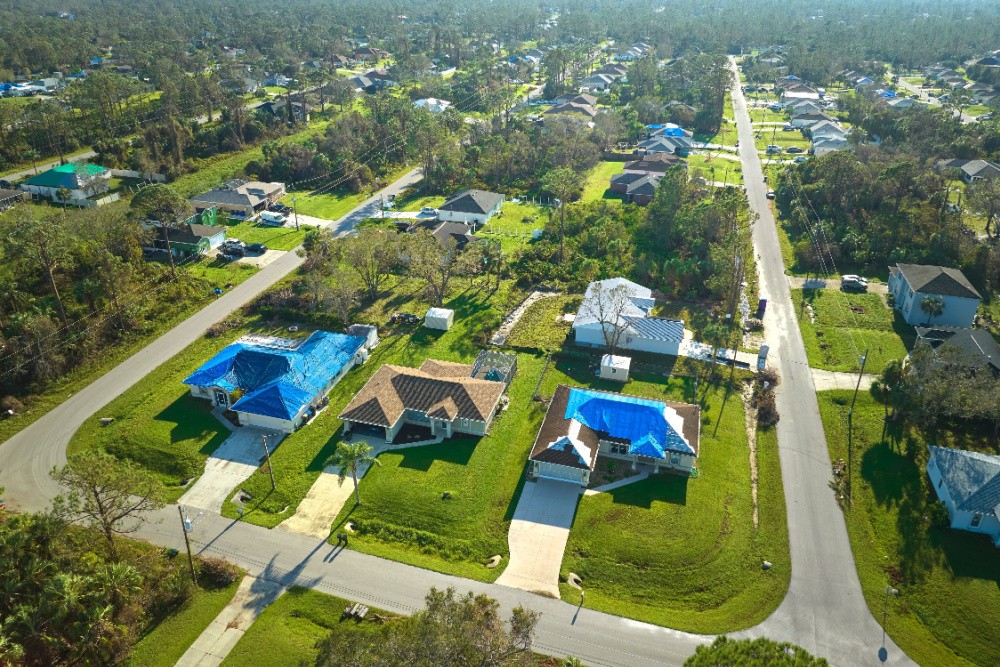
[432, 104]
[619, 310]
[968, 483]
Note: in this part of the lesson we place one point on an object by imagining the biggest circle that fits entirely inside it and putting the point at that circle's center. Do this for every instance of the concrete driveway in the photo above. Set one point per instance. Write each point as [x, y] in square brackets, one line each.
[228, 467]
[538, 535]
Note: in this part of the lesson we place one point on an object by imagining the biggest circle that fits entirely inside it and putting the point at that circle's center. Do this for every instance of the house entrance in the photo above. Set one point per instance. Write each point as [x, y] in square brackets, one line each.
[221, 398]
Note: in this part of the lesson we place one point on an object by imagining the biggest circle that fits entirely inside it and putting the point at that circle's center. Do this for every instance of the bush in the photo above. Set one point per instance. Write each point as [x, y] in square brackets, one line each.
[217, 573]
[9, 404]
[427, 542]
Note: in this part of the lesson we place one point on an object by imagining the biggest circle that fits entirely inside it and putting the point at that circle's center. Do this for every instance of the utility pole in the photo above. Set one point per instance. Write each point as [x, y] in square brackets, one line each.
[295, 209]
[186, 527]
[267, 455]
[850, 434]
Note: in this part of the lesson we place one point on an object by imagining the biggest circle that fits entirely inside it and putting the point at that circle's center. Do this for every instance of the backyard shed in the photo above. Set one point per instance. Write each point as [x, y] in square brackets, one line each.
[614, 367]
[439, 318]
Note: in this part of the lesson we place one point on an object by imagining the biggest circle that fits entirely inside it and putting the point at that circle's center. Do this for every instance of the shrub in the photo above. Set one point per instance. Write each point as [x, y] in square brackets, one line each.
[427, 542]
[9, 404]
[217, 573]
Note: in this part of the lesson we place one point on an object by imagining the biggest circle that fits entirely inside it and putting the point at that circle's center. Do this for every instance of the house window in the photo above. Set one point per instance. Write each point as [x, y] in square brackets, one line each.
[619, 448]
[675, 459]
[976, 519]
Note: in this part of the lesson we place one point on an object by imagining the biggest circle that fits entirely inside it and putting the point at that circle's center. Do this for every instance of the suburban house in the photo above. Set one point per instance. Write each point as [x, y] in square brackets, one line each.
[458, 233]
[279, 109]
[470, 207]
[277, 383]
[240, 199]
[653, 163]
[976, 347]
[573, 108]
[972, 170]
[824, 145]
[798, 93]
[968, 483]
[910, 284]
[635, 187]
[197, 235]
[597, 82]
[903, 103]
[581, 424]
[617, 311]
[362, 83]
[10, 197]
[369, 54]
[666, 144]
[443, 397]
[802, 119]
[577, 98]
[432, 104]
[81, 179]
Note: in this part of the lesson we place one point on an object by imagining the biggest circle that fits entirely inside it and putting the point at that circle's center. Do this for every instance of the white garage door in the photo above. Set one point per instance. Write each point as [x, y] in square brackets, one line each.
[560, 473]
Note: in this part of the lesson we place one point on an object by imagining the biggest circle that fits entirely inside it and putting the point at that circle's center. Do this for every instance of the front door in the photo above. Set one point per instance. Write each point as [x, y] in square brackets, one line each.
[221, 398]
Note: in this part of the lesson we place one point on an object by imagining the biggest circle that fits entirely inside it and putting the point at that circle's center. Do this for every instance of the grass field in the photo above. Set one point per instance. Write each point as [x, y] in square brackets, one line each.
[336, 203]
[275, 238]
[538, 329]
[780, 138]
[301, 456]
[599, 180]
[516, 224]
[978, 110]
[765, 115]
[403, 515]
[727, 134]
[158, 424]
[713, 168]
[166, 642]
[845, 325]
[948, 609]
[286, 632]
[676, 551]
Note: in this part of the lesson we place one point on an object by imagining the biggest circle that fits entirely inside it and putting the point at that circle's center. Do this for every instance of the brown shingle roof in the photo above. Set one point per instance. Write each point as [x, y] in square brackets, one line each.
[435, 389]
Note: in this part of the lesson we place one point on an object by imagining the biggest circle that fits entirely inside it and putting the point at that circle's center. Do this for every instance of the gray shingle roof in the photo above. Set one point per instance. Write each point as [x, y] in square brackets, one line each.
[472, 201]
[929, 279]
[972, 478]
[978, 347]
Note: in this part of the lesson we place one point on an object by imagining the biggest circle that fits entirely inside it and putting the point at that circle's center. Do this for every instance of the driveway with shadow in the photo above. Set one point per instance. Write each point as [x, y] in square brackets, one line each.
[230, 465]
[538, 535]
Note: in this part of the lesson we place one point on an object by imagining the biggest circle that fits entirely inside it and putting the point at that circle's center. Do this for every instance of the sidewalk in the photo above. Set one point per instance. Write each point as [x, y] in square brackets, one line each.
[222, 634]
[229, 466]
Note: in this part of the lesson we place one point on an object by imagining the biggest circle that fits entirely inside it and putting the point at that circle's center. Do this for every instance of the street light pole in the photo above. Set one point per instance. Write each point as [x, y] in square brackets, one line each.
[889, 590]
[850, 434]
[295, 209]
[267, 455]
[186, 527]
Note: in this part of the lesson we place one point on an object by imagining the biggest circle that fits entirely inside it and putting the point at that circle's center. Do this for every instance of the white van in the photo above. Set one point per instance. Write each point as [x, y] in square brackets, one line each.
[272, 218]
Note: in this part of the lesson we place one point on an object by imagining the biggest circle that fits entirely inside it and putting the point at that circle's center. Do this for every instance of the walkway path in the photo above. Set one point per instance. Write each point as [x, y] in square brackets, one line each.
[538, 536]
[511, 320]
[827, 380]
[222, 634]
[824, 610]
[611, 486]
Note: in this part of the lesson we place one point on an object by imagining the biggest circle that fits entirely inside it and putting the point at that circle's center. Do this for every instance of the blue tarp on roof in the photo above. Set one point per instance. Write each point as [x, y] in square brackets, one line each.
[672, 130]
[278, 382]
[639, 421]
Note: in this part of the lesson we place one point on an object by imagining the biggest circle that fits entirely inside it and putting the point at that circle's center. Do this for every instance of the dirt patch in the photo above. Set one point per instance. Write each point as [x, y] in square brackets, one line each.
[608, 470]
[750, 421]
[860, 310]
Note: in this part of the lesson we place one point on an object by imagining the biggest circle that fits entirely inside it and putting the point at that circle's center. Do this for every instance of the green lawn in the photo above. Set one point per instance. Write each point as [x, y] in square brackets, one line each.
[727, 134]
[159, 424]
[599, 181]
[948, 610]
[287, 631]
[978, 109]
[847, 324]
[676, 551]
[275, 238]
[769, 136]
[403, 515]
[516, 224]
[166, 642]
[714, 168]
[765, 115]
[334, 204]
[300, 457]
[538, 328]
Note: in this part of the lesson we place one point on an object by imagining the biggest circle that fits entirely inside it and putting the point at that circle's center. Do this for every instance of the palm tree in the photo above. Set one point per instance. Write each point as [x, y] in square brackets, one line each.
[348, 457]
[933, 306]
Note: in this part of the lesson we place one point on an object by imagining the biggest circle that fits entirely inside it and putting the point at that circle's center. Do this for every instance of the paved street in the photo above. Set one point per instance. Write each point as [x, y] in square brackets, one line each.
[924, 97]
[824, 610]
[27, 458]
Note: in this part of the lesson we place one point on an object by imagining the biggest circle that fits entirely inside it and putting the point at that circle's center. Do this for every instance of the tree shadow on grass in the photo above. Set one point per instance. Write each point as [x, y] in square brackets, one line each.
[664, 488]
[454, 451]
[192, 420]
[508, 515]
[318, 462]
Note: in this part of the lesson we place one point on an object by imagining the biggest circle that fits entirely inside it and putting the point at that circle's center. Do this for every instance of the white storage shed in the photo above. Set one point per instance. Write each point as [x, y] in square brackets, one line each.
[439, 318]
[615, 368]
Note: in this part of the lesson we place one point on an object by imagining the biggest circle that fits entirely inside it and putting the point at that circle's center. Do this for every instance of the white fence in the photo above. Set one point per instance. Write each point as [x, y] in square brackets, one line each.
[145, 175]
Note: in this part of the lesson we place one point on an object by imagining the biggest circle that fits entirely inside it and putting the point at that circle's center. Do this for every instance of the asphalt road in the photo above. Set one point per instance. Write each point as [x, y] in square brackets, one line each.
[28, 457]
[824, 611]
[924, 97]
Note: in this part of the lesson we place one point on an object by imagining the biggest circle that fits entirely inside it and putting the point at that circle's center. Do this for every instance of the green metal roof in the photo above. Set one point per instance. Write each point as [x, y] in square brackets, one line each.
[65, 175]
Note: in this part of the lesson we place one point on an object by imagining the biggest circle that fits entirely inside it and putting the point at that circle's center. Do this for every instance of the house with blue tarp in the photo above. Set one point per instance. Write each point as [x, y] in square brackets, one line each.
[582, 424]
[277, 383]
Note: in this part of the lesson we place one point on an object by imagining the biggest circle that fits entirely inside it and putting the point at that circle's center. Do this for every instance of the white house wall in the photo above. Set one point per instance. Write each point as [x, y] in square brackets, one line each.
[266, 423]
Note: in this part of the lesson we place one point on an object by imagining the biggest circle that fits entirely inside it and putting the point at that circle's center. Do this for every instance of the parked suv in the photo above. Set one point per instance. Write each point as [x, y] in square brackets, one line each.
[772, 149]
[853, 283]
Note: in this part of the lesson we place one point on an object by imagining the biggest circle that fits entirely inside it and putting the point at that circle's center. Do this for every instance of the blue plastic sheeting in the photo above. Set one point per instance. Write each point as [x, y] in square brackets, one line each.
[639, 421]
[278, 382]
